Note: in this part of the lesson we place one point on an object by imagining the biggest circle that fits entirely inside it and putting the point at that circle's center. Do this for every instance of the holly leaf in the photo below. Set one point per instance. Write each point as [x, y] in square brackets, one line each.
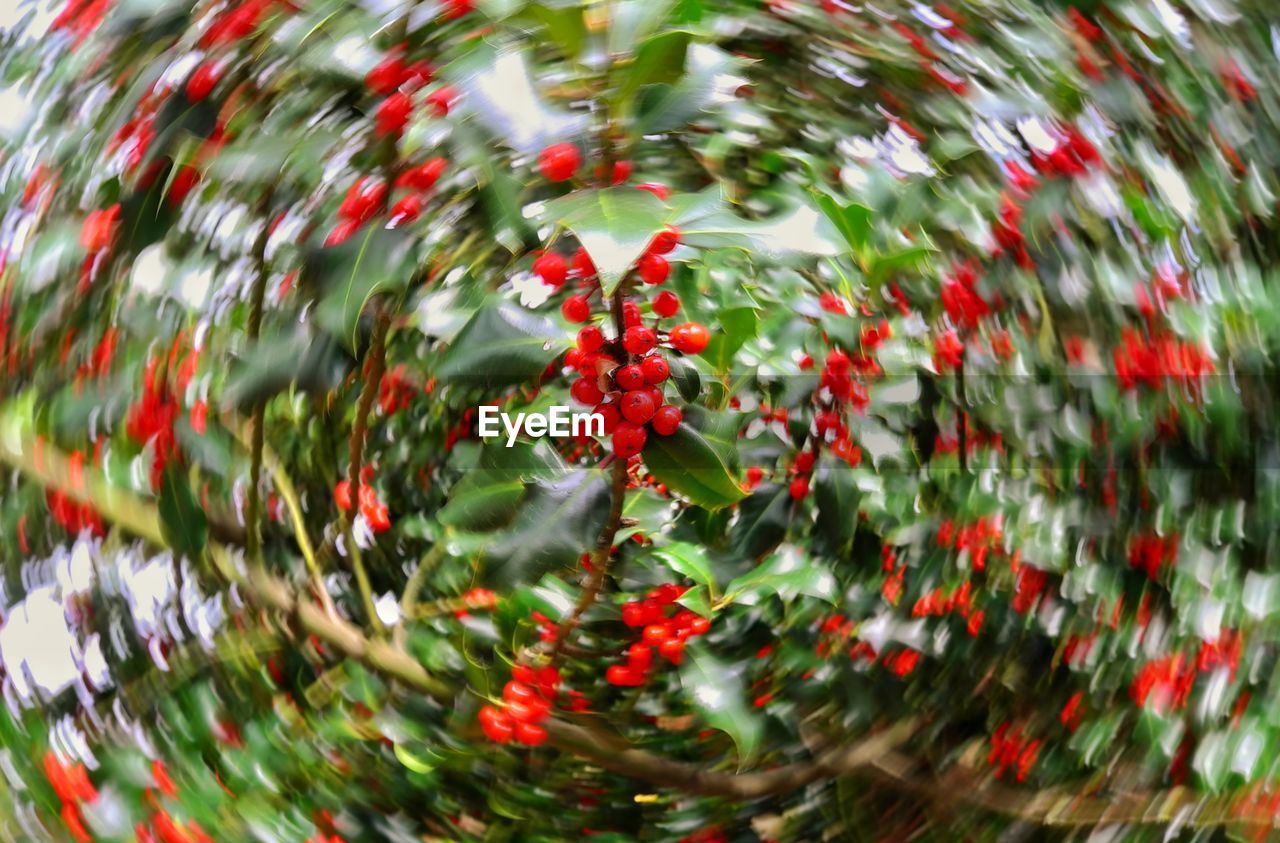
[614, 225]
[182, 522]
[762, 520]
[688, 560]
[717, 692]
[788, 574]
[501, 345]
[836, 494]
[685, 376]
[695, 465]
[737, 326]
[378, 260]
[558, 520]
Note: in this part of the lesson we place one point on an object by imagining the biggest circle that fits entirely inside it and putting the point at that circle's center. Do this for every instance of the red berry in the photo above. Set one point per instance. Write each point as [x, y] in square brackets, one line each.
[363, 200]
[585, 391]
[655, 369]
[755, 474]
[576, 309]
[440, 100]
[690, 337]
[804, 462]
[609, 413]
[639, 340]
[551, 268]
[559, 161]
[639, 656]
[633, 613]
[452, 10]
[393, 114]
[516, 691]
[653, 269]
[202, 82]
[631, 314]
[424, 176]
[664, 241]
[496, 724]
[799, 488]
[182, 183]
[530, 734]
[621, 171]
[667, 420]
[406, 210]
[838, 362]
[666, 304]
[637, 407]
[672, 650]
[524, 673]
[628, 439]
[700, 625]
[388, 75]
[659, 190]
[590, 339]
[582, 265]
[342, 495]
[629, 377]
[656, 634]
[342, 232]
[622, 675]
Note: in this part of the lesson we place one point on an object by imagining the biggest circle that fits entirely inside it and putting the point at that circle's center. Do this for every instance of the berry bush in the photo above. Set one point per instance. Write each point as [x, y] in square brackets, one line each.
[935, 350]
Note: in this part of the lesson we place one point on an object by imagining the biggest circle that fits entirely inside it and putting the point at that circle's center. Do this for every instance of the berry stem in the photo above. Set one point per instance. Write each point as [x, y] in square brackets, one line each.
[374, 365]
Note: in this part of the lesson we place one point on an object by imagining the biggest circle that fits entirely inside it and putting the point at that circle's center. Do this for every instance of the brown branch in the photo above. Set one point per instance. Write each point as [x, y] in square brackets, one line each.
[253, 536]
[375, 364]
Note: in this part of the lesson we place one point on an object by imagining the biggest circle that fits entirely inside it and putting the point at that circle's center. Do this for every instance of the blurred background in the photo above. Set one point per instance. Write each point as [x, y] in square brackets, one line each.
[935, 343]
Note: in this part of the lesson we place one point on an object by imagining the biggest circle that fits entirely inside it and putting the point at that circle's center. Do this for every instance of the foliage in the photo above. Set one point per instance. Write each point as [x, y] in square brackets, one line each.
[966, 520]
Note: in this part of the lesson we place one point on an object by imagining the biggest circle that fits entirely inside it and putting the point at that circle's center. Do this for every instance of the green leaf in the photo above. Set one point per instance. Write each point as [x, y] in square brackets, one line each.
[907, 259]
[737, 326]
[378, 260]
[717, 692]
[660, 60]
[836, 494]
[853, 222]
[274, 364]
[564, 24]
[762, 520]
[788, 574]
[632, 21]
[688, 560]
[686, 378]
[501, 345]
[688, 463]
[794, 228]
[673, 106]
[499, 189]
[182, 521]
[482, 500]
[696, 600]
[558, 520]
[647, 509]
[614, 225]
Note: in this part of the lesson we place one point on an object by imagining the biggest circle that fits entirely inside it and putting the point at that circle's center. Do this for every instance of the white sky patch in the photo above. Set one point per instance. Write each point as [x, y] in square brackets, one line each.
[531, 289]
[150, 269]
[1038, 135]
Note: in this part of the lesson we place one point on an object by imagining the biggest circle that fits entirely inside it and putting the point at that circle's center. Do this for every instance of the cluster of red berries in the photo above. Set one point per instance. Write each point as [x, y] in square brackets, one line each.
[398, 81]
[979, 538]
[1151, 552]
[73, 787]
[663, 628]
[1029, 585]
[151, 418]
[367, 198]
[396, 391]
[939, 602]
[1010, 749]
[560, 162]
[1149, 361]
[527, 701]
[74, 517]
[374, 511]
